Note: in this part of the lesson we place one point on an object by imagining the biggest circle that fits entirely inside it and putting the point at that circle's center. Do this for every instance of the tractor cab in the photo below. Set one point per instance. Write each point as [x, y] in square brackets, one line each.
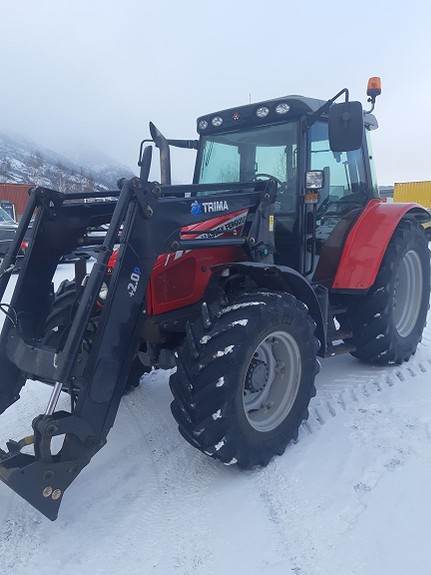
[320, 190]
[316, 152]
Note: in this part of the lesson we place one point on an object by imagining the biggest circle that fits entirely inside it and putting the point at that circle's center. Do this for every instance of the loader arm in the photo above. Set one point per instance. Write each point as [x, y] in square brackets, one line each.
[150, 218]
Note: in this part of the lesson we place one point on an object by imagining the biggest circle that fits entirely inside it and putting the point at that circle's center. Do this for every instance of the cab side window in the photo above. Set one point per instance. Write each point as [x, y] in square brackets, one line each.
[345, 181]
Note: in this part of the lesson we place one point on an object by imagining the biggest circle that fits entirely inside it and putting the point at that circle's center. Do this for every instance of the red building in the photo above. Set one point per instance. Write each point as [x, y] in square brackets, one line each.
[13, 198]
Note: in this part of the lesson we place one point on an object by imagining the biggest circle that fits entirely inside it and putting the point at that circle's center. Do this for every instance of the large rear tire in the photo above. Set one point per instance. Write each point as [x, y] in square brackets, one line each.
[388, 322]
[244, 382]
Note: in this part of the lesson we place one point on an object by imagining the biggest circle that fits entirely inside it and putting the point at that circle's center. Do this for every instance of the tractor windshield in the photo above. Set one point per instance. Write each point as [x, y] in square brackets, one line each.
[253, 154]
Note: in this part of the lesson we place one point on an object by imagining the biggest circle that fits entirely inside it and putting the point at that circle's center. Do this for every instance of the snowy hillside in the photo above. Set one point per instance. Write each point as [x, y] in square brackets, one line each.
[25, 162]
[351, 497]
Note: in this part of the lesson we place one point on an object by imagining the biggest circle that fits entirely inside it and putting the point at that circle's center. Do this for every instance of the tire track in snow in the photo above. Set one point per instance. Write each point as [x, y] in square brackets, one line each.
[345, 395]
[171, 456]
[209, 534]
[345, 402]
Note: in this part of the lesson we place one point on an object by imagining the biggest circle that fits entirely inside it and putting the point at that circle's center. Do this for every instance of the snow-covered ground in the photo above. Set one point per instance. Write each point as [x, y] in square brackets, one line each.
[351, 497]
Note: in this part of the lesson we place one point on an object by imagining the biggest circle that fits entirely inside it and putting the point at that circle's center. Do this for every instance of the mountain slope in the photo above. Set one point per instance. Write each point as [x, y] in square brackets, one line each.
[22, 161]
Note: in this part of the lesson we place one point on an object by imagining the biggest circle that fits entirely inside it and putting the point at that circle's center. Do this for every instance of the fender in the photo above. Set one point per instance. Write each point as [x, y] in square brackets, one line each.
[367, 242]
[283, 278]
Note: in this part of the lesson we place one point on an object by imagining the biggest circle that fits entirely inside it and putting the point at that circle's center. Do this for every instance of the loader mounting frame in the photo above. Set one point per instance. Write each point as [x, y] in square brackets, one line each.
[146, 221]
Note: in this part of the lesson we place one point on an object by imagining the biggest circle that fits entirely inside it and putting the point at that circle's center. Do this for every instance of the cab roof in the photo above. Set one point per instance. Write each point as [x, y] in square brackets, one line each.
[244, 116]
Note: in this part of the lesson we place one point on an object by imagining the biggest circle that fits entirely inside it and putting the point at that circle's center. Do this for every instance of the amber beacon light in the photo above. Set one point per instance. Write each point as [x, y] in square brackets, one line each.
[374, 87]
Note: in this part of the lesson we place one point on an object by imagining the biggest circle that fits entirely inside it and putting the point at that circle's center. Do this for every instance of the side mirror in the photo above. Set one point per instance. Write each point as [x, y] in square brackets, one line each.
[145, 163]
[315, 180]
[346, 126]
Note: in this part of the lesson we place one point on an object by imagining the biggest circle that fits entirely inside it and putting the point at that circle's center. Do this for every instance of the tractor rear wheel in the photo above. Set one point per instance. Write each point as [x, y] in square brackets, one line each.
[387, 323]
[244, 380]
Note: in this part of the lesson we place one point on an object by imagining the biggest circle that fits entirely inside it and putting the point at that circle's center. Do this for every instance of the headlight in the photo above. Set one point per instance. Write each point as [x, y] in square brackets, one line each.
[262, 112]
[217, 121]
[103, 294]
[203, 125]
[282, 108]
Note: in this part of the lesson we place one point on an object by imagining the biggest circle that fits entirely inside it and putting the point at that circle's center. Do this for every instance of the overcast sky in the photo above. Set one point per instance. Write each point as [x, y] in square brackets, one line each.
[90, 74]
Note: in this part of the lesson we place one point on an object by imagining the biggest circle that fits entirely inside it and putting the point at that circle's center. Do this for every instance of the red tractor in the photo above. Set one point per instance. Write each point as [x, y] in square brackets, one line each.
[280, 251]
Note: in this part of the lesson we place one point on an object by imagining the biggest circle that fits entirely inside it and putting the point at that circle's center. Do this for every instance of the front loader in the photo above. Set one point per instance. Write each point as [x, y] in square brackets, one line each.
[279, 252]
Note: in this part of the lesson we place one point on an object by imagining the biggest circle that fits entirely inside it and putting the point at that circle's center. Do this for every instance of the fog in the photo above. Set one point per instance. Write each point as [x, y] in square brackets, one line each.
[81, 76]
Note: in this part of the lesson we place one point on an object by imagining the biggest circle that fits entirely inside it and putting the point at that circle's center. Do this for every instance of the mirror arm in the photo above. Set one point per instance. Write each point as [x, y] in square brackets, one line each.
[372, 100]
[141, 150]
[187, 144]
[323, 109]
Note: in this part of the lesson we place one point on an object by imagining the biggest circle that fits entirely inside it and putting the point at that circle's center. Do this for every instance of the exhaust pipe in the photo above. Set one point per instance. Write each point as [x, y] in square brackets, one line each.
[165, 154]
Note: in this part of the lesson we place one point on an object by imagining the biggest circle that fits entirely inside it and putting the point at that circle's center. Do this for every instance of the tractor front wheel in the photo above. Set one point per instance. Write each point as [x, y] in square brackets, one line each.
[60, 319]
[388, 322]
[244, 380]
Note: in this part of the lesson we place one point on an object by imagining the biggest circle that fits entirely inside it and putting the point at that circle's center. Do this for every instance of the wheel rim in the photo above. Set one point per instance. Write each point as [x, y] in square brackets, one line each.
[272, 381]
[408, 293]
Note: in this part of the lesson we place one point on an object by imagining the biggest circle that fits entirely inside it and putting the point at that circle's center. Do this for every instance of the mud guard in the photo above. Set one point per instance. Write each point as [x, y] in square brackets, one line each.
[367, 242]
[284, 278]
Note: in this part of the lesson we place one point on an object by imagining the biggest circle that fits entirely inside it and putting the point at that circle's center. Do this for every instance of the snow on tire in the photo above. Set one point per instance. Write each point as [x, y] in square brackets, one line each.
[243, 384]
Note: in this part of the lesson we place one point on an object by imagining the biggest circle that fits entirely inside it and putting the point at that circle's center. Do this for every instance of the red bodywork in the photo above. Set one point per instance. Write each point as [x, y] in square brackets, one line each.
[179, 279]
[367, 242]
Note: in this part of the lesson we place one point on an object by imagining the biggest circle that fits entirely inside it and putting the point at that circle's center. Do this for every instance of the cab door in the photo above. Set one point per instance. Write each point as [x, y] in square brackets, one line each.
[345, 193]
